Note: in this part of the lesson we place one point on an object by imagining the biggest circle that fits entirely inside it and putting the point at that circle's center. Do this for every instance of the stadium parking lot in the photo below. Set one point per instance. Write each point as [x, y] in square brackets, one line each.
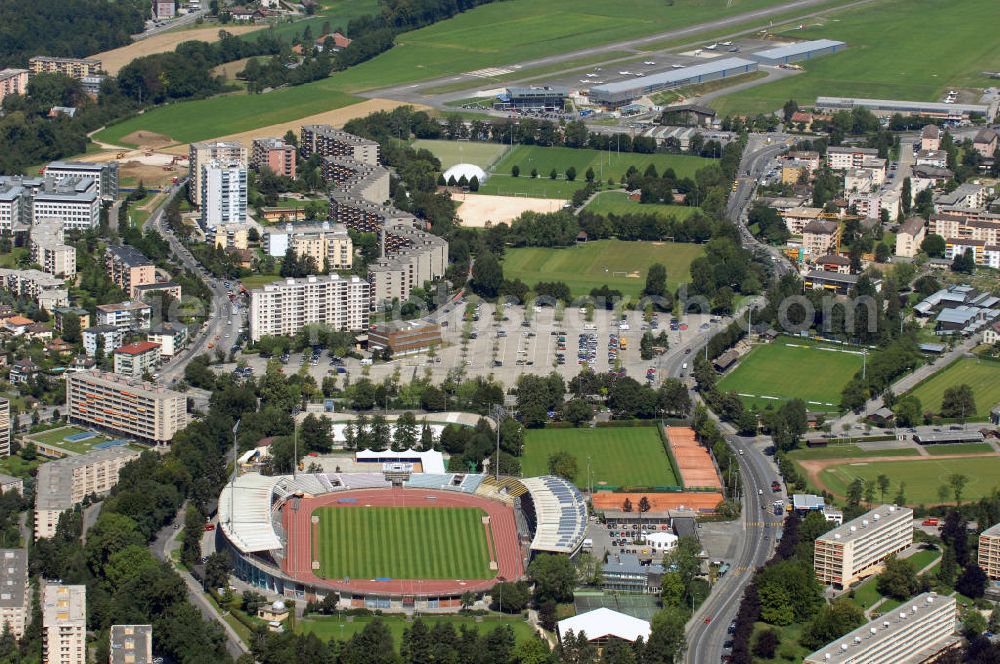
[506, 349]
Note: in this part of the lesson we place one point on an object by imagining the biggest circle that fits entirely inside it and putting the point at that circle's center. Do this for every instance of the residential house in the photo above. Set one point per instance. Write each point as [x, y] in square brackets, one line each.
[834, 263]
[910, 235]
[22, 370]
[820, 237]
[930, 137]
[985, 143]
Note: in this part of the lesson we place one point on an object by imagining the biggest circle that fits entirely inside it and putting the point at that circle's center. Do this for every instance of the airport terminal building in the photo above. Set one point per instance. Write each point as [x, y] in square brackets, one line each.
[619, 93]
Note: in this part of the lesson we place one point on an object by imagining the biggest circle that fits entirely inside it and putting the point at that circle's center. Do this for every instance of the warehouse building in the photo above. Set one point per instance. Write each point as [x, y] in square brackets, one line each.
[888, 107]
[783, 55]
[620, 93]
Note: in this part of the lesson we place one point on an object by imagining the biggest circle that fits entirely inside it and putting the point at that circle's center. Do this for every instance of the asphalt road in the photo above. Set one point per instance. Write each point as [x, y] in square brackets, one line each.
[217, 311]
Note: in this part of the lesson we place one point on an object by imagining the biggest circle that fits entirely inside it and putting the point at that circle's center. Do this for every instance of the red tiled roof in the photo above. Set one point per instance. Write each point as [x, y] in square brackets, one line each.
[137, 348]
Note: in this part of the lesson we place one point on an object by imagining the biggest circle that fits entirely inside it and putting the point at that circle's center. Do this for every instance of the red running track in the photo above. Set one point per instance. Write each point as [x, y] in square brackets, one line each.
[298, 528]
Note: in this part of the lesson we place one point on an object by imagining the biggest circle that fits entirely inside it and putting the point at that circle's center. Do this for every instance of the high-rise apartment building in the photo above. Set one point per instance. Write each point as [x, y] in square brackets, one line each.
[127, 267]
[49, 249]
[989, 551]
[273, 154]
[64, 483]
[223, 193]
[131, 644]
[13, 82]
[4, 427]
[328, 244]
[327, 141]
[858, 548]
[125, 406]
[15, 596]
[917, 631]
[64, 624]
[199, 154]
[285, 307]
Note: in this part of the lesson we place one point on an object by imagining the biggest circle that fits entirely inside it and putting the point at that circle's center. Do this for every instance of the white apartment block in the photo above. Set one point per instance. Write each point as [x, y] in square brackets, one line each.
[48, 248]
[327, 244]
[11, 205]
[64, 624]
[48, 291]
[285, 307]
[138, 359]
[125, 406]
[858, 548]
[223, 194]
[870, 204]
[107, 337]
[15, 595]
[13, 82]
[199, 154]
[910, 236]
[64, 483]
[840, 158]
[989, 551]
[129, 315]
[915, 632]
[106, 174]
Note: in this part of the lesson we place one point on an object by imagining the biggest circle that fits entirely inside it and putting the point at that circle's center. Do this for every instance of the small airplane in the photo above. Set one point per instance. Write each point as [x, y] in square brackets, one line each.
[727, 43]
[591, 75]
[625, 73]
[649, 62]
[711, 47]
[677, 66]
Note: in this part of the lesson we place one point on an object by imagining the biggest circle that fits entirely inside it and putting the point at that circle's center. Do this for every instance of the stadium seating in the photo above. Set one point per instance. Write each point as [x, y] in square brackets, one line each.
[365, 481]
[561, 514]
[429, 481]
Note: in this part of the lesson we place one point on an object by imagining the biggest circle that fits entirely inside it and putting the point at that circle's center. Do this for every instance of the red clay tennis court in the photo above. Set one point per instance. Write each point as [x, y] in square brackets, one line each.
[693, 461]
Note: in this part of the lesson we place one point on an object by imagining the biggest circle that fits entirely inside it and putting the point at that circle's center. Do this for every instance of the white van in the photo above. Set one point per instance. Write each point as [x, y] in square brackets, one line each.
[367, 362]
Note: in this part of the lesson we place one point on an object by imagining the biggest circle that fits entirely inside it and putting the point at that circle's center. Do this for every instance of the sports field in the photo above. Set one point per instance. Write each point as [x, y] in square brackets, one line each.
[897, 49]
[401, 543]
[462, 152]
[617, 202]
[619, 264]
[922, 477]
[605, 164]
[983, 376]
[790, 368]
[336, 627]
[620, 457]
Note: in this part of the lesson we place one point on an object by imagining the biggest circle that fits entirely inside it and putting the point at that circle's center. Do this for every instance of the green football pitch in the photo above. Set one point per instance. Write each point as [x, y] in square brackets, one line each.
[461, 152]
[923, 477]
[983, 376]
[401, 543]
[626, 456]
[619, 264]
[605, 164]
[790, 368]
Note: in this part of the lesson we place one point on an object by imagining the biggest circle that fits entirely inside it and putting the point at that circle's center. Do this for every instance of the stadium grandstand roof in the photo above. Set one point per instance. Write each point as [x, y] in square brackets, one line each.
[560, 514]
[245, 513]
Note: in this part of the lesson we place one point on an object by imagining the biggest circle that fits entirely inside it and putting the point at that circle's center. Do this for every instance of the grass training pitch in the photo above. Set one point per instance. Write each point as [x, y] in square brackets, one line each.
[898, 49]
[618, 202]
[983, 376]
[790, 368]
[922, 477]
[401, 543]
[593, 264]
[620, 457]
[605, 164]
[334, 627]
[461, 152]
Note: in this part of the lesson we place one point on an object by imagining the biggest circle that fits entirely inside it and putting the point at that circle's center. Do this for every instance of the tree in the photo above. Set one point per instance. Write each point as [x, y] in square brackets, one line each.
[855, 491]
[789, 109]
[217, 569]
[958, 401]
[832, 622]
[571, 173]
[405, 432]
[766, 643]
[589, 175]
[908, 411]
[900, 498]
[563, 464]
[487, 275]
[554, 578]
[883, 485]
[666, 638]
[964, 262]
[656, 281]
[474, 183]
[578, 411]
[906, 196]
[898, 579]
[515, 170]
[973, 581]
[553, 175]
[511, 596]
[933, 245]
[315, 434]
[973, 623]
[957, 482]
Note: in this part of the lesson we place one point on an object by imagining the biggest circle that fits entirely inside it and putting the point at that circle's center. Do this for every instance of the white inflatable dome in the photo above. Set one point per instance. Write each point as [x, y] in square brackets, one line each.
[468, 170]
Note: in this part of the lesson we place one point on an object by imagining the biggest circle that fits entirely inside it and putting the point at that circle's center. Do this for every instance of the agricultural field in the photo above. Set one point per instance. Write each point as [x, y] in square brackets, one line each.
[898, 49]
[618, 202]
[621, 265]
[983, 376]
[186, 122]
[789, 368]
[922, 477]
[626, 456]
[402, 543]
[334, 627]
[605, 164]
[462, 152]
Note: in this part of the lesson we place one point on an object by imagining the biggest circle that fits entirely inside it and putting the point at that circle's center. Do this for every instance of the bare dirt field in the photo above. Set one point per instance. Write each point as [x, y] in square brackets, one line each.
[481, 211]
[149, 140]
[337, 118]
[117, 58]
